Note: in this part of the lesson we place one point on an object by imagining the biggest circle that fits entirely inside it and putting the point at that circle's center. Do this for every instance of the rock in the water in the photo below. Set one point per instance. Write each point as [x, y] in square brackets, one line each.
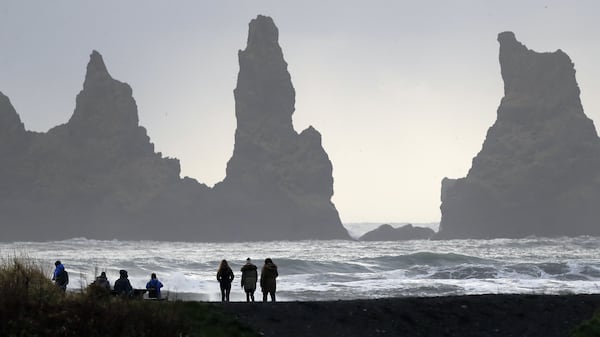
[407, 232]
[94, 176]
[538, 172]
[98, 175]
[281, 180]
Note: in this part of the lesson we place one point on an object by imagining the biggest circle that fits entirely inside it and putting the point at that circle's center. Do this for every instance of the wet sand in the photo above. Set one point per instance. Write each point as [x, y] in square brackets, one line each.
[477, 315]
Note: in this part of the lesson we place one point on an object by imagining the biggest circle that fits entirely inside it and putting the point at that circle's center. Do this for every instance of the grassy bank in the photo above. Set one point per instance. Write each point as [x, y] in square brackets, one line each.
[31, 305]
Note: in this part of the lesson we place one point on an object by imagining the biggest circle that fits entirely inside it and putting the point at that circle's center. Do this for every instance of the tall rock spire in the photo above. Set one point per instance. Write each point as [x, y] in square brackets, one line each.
[284, 177]
[538, 170]
[96, 71]
[264, 96]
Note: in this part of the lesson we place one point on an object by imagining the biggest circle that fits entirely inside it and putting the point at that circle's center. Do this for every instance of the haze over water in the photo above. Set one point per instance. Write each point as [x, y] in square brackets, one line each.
[332, 270]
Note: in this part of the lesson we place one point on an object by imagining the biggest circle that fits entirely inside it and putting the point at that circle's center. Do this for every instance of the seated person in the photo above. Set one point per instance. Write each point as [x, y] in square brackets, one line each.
[153, 287]
[102, 282]
[122, 285]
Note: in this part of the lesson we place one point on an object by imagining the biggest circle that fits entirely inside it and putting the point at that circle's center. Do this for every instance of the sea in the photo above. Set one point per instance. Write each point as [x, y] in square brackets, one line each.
[316, 270]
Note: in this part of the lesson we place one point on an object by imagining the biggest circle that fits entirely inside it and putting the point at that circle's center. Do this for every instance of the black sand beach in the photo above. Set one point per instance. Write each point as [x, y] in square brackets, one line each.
[478, 315]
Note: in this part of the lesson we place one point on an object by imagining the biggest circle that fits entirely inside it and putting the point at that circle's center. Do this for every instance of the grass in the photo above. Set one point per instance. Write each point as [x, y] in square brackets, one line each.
[589, 328]
[31, 305]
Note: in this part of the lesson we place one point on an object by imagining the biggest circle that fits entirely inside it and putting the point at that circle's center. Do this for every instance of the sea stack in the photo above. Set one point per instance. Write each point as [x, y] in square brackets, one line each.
[538, 172]
[386, 232]
[279, 183]
[94, 176]
[97, 176]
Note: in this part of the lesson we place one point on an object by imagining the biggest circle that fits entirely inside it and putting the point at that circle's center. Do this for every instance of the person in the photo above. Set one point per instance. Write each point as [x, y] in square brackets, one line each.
[60, 276]
[249, 278]
[225, 276]
[268, 274]
[153, 287]
[122, 285]
[102, 281]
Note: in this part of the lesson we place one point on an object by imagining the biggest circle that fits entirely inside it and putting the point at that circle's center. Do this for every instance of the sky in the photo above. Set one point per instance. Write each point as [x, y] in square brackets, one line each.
[402, 92]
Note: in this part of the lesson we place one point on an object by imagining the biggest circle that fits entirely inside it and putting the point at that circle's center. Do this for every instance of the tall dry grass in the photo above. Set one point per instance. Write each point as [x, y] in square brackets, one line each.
[31, 305]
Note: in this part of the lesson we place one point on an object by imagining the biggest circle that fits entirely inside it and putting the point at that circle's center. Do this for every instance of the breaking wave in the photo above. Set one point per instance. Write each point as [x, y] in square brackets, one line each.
[329, 270]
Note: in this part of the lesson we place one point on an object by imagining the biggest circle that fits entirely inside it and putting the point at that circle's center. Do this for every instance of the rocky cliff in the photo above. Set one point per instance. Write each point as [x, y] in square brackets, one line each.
[98, 175]
[93, 176]
[279, 183]
[538, 172]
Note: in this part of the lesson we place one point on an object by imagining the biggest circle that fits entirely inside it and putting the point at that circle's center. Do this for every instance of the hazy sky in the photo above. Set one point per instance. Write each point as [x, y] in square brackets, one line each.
[403, 92]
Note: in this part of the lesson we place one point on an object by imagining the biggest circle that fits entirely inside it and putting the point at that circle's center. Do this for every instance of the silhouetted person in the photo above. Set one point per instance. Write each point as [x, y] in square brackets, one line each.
[268, 276]
[249, 278]
[225, 276]
[153, 287]
[60, 276]
[122, 285]
[102, 282]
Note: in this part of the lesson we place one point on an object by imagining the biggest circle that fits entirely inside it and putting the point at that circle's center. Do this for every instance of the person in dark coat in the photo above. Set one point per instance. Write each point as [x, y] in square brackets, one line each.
[249, 278]
[225, 276]
[153, 287]
[268, 284]
[122, 285]
[60, 276]
[102, 281]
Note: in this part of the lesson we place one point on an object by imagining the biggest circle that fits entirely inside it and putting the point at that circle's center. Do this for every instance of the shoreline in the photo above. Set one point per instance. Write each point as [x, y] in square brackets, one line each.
[518, 315]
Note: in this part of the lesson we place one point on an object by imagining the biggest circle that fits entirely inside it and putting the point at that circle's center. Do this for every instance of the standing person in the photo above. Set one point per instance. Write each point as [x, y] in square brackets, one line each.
[225, 276]
[268, 284]
[102, 281]
[60, 276]
[249, 278]
[153, 287]
[122, 285]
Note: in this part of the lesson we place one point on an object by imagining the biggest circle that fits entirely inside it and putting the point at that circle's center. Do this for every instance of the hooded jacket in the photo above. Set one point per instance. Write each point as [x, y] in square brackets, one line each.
[122, 285]
[102, 282]
[61, 277]
[249, 276]
[154, 286]
[268, 275]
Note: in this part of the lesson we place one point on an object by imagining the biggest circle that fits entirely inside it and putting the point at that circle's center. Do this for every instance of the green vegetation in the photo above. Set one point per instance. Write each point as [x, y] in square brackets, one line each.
[589, 328]
[31, 305]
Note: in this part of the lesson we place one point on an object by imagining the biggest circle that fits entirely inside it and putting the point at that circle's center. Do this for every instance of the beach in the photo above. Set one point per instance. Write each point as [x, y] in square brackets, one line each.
[475, 315]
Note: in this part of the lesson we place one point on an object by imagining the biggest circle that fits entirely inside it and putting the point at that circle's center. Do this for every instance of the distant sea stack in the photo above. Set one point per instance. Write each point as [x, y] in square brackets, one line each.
[407, 232]
[279, 183]
[97, 176]
[538, 172]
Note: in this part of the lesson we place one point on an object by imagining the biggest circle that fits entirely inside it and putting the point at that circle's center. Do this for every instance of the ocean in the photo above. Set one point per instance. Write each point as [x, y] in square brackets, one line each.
[337, 269]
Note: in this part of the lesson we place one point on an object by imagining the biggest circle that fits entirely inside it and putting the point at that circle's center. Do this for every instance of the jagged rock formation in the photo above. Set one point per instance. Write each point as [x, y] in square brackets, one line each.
[407, 232]
[98, 175]
[278, 183]
[538, 172]
[93, 176]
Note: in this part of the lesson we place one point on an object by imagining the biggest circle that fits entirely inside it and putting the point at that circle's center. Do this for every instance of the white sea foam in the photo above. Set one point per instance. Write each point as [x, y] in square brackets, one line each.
[329, 270]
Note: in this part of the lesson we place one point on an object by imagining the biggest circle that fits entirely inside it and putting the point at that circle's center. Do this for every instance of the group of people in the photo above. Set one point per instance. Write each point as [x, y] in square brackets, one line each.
[225, 276]
[122, 285]
[268, 276]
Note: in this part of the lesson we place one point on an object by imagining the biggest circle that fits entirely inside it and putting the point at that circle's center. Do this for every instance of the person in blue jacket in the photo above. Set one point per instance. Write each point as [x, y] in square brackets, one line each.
[60, 276]
[153, 287]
